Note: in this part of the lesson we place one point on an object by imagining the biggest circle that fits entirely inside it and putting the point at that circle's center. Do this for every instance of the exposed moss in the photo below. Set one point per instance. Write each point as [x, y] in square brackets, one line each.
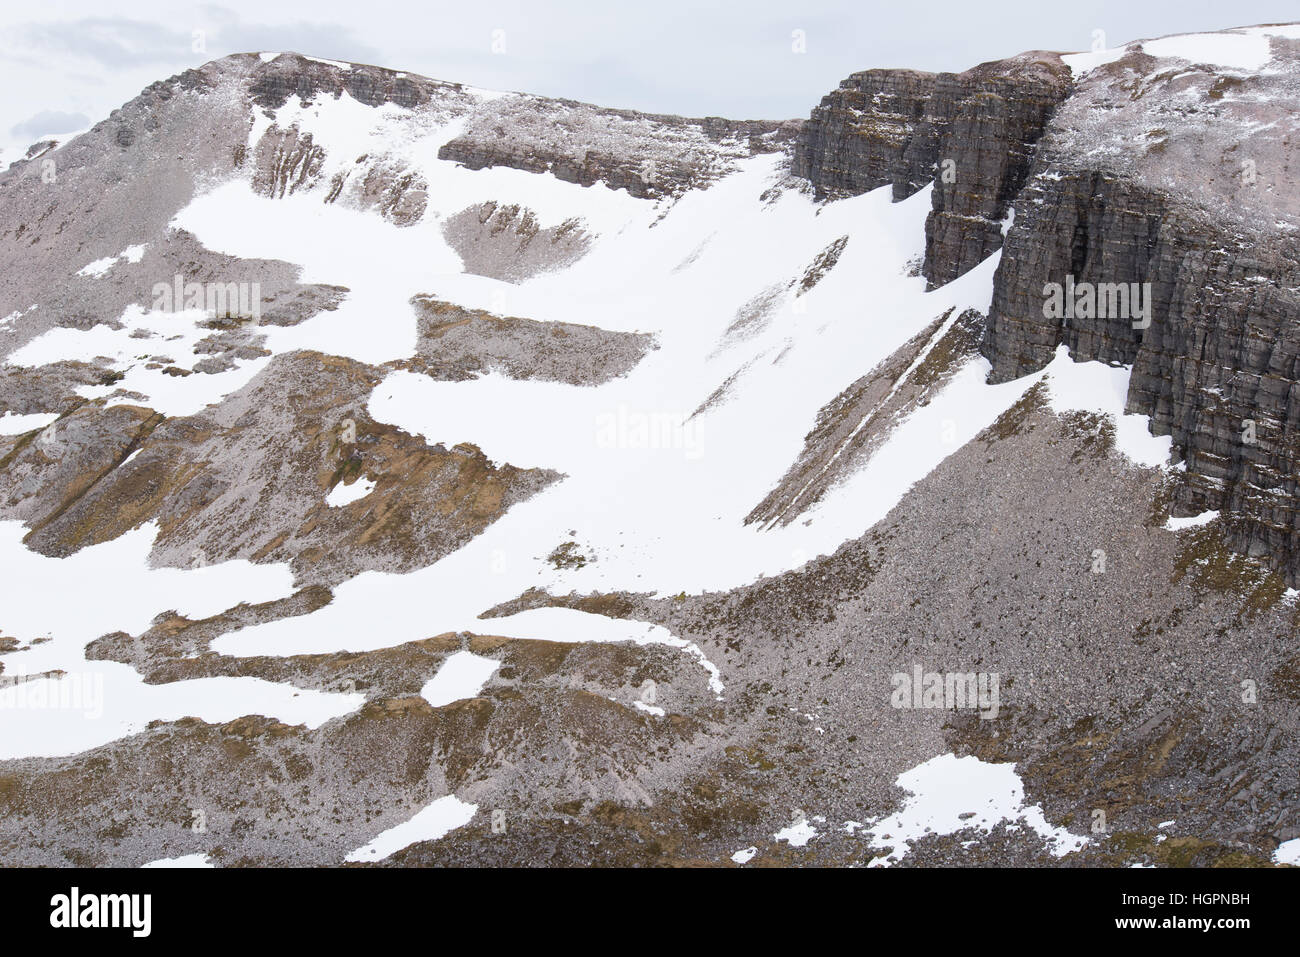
[349, 470]
[1095, 434]
[24, 440]
[753, 756]
[1203, 553]
[1012, 421]
[1222, 85]
[957, 343]
[1123, 847]
[567, 555]
[1162, 500]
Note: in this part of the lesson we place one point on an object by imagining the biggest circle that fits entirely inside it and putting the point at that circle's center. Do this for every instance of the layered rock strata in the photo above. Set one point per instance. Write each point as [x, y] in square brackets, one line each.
[972, 134]
[1171, 180]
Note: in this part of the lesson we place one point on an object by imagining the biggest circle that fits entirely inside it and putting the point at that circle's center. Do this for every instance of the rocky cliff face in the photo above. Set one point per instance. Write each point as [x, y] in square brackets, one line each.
[649, 155]
[1144, 169]
[972, 134]
[291, 74]
[1163, 172]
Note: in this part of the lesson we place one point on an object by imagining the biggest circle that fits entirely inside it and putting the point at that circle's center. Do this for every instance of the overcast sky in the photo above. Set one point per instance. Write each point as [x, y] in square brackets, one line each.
[64, 64]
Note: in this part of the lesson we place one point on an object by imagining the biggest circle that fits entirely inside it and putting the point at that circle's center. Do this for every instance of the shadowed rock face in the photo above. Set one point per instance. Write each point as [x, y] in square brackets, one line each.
[972, 134]
[1157, 172]
[1146, 170]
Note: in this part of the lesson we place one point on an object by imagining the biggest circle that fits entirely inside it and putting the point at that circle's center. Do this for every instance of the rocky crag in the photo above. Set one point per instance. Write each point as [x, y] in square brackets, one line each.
[972, 134]
[1148, 168]
[646, 154]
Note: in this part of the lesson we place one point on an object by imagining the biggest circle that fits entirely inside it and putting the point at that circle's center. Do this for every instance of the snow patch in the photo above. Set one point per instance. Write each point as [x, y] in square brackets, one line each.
[461, 676]
[1235, 51]
[334, 63]
[1081, 63]
[93, 702]
[1194, 521]
[11, 423]
[797, 834]
[1247, 50]
[437, 820]
[1102, 389]
[1288, 852]
[950, 794]
[133, 348]
[341, 494]
[187, 860]
[98, 268]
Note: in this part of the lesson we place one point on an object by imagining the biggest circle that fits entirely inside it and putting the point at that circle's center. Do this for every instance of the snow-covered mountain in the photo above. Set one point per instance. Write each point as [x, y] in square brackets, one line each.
[395, 470]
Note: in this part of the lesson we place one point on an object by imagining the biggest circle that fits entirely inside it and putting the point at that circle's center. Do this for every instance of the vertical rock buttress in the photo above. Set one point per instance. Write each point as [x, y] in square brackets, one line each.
[972, 134]
[1136, 173]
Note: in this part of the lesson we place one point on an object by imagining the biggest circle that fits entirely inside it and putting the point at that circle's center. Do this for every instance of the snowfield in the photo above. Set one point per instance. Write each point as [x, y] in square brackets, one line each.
[1246, 49]
[441, 817]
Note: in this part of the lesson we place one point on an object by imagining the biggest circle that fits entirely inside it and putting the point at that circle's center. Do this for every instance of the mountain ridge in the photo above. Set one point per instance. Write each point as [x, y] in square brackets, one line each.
[598, 474]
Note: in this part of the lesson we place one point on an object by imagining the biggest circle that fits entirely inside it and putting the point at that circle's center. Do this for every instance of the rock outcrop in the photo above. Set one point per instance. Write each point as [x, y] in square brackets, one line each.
[506, 241]
[249, 478]
[290, 74]
[455, 344]
[286, 161]
[649, 155]
[1145, 169]
[972, 134]
[1162, 172]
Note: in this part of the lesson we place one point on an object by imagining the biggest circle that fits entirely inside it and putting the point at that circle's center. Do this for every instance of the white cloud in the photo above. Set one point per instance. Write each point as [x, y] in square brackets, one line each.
[673, 56]
[50, 122]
